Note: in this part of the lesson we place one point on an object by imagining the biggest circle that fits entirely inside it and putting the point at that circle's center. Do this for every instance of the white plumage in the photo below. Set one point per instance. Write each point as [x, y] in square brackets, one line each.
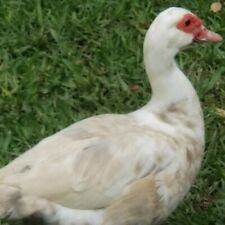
[118, 169]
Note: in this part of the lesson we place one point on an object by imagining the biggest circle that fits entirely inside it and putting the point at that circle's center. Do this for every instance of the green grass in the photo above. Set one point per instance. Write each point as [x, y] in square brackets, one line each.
[64, 60]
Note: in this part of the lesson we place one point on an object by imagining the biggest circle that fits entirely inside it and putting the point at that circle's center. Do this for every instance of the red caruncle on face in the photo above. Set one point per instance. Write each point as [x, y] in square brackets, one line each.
[193, 25]
[190, 24]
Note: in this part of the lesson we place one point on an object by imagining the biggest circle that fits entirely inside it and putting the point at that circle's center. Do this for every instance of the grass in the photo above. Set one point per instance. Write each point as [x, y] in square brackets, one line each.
[64, 60]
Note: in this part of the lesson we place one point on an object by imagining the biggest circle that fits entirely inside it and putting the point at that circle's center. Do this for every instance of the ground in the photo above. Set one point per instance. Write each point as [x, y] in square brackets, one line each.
[64, 60]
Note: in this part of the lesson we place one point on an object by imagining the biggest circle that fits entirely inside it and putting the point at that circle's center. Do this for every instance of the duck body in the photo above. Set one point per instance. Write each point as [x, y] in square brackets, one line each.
[116, 169]
[95, 162]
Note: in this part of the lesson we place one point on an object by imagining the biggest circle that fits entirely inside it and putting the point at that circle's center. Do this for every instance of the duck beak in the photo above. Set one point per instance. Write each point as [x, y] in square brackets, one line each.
[202, 34]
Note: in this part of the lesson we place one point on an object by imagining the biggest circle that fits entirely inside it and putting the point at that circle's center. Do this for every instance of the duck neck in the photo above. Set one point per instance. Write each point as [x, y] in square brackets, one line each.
[169, 84]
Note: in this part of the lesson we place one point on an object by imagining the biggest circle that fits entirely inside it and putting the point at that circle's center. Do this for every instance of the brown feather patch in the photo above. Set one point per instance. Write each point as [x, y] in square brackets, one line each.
[139, 205]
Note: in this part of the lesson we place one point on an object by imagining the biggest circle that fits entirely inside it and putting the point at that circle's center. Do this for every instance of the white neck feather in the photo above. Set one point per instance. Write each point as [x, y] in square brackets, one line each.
[169, 84]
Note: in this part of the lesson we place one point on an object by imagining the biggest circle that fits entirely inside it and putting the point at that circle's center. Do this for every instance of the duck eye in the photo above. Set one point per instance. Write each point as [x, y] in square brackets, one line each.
[187, 22]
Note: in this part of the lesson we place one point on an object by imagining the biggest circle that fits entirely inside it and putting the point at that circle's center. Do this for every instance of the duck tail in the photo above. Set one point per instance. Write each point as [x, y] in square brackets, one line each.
[9, 197]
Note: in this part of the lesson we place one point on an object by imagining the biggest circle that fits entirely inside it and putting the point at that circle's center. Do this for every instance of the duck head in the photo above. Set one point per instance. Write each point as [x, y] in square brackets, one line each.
[175, 28]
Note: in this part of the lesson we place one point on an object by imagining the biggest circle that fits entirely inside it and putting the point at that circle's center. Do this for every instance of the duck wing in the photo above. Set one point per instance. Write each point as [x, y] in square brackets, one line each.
[90, 163]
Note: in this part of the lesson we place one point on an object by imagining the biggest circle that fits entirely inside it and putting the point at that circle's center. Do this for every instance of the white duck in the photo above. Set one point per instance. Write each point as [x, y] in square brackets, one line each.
[120, 169]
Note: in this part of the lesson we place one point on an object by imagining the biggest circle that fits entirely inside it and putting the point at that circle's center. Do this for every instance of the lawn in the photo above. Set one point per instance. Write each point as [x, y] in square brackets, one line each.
[64, 60]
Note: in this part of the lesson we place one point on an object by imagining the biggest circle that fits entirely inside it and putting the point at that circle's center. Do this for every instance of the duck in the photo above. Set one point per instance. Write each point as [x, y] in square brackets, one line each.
[122, 169]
